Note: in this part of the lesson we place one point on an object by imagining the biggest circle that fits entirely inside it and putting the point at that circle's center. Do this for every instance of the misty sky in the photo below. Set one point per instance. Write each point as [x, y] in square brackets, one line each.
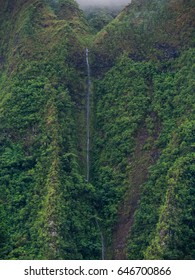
[103, 2]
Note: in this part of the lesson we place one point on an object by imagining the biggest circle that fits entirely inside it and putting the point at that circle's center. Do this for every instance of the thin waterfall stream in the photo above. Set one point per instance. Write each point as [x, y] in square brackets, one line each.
[88, 94]
[88, 116]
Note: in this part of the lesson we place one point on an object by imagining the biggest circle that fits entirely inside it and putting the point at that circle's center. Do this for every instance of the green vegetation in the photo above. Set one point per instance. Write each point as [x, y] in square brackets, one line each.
[167, 230]
[98, 17]
[141, 195]
[122, 100]
[127, 100]
[46, 205]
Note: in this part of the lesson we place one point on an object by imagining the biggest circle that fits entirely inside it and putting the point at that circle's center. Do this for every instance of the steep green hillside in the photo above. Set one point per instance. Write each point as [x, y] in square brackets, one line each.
[46, 205]
[167, 203]
[140, 201]
[143, 159]
[154, 29]
[98, 17]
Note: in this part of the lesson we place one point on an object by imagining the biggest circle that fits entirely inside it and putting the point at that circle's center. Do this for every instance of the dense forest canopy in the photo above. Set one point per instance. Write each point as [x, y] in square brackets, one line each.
[140, 200]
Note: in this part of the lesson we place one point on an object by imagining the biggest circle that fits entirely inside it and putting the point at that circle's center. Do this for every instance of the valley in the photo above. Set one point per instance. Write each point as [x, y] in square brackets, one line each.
[97, 156]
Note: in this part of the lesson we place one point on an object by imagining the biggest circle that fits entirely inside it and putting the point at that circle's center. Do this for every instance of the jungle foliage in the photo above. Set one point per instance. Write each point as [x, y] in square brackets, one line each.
[142, 158]
[46, 211]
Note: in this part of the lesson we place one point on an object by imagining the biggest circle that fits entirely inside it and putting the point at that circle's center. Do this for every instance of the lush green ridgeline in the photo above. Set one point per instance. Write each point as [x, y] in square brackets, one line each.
[142, 155]
[98, 17]
[164, 222]
[45, 204]
[143, 159]
[146, 30]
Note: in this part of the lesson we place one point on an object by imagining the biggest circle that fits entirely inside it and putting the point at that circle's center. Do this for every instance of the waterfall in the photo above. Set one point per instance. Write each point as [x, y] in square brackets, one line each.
[102, 238]
[88, 116]
[88, 93]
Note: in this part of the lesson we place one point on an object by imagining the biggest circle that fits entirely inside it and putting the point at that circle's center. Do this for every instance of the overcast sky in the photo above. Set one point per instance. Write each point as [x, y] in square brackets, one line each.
[102, 2]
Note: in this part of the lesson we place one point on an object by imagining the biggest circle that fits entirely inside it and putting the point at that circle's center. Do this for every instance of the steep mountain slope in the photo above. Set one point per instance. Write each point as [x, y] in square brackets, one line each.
[147, 30]
[140, 202]
[46, 204]
[143, 144]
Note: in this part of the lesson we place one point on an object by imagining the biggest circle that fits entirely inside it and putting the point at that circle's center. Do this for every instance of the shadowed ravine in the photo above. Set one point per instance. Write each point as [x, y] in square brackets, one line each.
[140, 162]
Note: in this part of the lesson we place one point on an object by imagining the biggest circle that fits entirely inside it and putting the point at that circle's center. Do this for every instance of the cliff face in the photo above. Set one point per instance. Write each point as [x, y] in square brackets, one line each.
[140, 200]
[143, 104]
[46, 204]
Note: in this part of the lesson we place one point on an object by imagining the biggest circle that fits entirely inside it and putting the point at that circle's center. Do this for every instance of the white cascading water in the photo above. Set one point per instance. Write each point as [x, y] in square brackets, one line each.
[88, 116]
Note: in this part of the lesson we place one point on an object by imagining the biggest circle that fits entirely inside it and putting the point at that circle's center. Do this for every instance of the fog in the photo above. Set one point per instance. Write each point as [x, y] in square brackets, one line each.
[89, 3]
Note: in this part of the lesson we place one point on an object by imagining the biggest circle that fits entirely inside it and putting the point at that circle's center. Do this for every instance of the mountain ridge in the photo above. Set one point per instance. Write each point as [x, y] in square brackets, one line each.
[139, 203]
